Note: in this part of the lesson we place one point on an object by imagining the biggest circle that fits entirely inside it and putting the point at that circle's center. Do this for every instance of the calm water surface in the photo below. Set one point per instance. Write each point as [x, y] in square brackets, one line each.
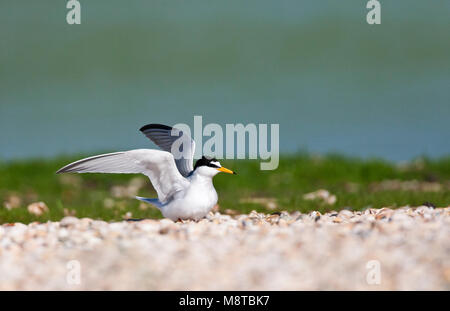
[331, 81]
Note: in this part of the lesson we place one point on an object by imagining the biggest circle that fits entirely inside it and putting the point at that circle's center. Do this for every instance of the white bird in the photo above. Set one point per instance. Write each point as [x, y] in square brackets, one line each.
[184, 191]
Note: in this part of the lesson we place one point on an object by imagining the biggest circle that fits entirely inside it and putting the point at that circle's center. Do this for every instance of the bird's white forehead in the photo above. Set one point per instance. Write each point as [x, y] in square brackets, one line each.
[216, 163]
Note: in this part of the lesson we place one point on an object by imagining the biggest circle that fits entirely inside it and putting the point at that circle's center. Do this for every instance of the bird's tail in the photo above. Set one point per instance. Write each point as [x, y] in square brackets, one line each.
[155, 202]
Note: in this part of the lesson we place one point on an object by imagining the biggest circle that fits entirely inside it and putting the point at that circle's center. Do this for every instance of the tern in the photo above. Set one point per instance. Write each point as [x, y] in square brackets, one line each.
[184, 191]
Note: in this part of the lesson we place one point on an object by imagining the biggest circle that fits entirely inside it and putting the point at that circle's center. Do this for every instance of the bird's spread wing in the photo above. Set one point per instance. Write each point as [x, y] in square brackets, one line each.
[158, 165]
[173, 140]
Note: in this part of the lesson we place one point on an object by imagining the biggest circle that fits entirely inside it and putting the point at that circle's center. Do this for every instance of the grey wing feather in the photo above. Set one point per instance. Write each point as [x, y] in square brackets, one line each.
[158, 165]
[117, 162]
[165, 136]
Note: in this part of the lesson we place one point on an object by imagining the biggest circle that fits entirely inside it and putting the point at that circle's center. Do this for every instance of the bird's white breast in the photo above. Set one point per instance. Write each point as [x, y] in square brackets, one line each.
[194, 202]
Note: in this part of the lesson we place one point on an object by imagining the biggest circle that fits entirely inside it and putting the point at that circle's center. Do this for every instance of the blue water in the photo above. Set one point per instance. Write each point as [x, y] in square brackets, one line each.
[331, 81]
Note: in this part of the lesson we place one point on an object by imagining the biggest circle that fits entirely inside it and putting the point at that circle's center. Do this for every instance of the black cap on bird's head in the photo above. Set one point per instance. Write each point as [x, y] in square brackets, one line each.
[206, 161]
[211, 162]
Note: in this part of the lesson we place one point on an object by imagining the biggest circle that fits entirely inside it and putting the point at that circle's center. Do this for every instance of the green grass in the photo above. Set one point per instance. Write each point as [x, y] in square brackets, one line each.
[350, 179]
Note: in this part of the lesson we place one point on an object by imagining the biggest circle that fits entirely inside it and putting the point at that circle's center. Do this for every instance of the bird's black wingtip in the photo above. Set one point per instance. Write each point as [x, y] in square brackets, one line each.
[62, 170]
[155, 126]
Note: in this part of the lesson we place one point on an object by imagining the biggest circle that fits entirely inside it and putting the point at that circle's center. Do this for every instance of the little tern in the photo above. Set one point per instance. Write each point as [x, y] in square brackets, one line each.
[184, 191]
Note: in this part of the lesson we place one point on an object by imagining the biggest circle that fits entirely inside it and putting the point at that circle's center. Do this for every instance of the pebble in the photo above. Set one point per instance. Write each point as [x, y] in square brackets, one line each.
[321, 194]
[337, 219]
[345, 214]
[37, 208]
[279, 251]
[13, 201]
[68, 221]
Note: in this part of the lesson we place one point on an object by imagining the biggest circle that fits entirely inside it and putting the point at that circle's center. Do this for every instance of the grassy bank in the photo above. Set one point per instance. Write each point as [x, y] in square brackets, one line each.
[357, 184]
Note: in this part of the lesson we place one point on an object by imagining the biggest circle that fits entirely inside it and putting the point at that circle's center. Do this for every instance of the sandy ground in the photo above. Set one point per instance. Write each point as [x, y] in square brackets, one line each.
[402, 249]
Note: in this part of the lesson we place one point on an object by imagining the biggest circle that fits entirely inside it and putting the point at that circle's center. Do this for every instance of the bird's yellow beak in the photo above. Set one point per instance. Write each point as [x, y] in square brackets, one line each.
[225, 170]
